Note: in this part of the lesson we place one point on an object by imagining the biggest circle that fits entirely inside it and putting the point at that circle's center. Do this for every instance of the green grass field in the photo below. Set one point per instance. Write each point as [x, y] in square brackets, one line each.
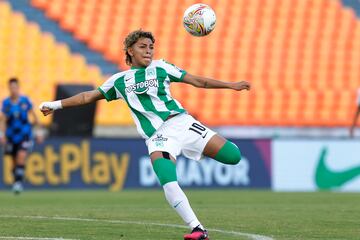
[133, 214]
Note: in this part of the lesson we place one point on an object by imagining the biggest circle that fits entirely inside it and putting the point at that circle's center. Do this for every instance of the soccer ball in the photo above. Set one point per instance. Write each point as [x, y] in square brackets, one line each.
[199, 20]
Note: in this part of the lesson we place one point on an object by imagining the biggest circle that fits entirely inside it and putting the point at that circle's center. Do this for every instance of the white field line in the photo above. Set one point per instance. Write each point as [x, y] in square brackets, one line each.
[35, 238]
[234, 233]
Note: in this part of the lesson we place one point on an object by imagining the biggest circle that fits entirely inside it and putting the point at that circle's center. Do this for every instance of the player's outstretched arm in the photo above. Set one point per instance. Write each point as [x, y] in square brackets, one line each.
[77, 100]
[202, 82]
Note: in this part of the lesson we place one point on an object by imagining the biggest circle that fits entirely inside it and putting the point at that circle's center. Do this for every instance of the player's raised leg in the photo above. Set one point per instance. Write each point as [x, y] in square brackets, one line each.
[165, 169]
[222, 150]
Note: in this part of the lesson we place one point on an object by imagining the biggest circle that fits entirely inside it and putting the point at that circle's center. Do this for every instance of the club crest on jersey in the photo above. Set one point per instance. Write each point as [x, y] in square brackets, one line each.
[150, 73]
[24, 106]
[142, 87]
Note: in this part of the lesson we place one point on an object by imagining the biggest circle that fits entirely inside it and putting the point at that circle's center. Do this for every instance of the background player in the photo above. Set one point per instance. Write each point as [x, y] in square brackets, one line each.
[356, 116]
[160, 119]
[15, 130]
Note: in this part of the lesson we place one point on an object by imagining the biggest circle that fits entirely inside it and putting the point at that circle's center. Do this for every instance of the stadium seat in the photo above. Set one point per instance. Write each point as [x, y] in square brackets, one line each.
[27, 57]
[307, 48]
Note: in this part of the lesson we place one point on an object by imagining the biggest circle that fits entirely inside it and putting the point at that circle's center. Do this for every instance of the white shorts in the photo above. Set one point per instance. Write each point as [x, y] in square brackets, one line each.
[181, 134]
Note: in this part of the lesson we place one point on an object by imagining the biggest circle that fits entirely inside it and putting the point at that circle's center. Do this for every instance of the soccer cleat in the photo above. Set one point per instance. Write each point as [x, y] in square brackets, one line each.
[197, 234]
[17, 187]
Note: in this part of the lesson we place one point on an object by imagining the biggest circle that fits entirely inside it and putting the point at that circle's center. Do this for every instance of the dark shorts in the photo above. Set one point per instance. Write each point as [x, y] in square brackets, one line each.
[13, 148]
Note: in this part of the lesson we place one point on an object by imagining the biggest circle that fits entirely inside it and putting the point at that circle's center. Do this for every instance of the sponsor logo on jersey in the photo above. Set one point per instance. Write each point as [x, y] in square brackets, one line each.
[142, 87]
[159, 140]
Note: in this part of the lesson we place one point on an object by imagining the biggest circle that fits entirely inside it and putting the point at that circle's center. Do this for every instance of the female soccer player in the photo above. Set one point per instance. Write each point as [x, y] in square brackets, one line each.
[168, 129]
[17, 137]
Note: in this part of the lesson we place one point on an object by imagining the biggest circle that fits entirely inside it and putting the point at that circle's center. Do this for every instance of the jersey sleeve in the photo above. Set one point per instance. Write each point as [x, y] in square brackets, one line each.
[175, 74]
[108, 89]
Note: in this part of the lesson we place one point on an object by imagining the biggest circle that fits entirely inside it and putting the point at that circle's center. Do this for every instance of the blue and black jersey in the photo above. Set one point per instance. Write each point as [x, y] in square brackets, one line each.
[18, 127]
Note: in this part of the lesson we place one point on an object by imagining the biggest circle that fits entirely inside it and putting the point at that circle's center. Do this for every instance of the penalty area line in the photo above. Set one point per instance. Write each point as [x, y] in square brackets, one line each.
[60, 218]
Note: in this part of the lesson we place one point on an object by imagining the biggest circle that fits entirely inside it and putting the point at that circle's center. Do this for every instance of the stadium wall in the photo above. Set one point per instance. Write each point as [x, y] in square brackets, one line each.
[116, 164]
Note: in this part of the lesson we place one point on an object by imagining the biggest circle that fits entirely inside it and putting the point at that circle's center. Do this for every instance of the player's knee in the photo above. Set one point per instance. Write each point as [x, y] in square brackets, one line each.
[229, 154]
[235, 155]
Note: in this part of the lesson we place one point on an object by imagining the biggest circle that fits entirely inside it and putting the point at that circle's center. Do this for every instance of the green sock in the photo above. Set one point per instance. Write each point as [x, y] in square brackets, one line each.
[165, 169]
[229, 154]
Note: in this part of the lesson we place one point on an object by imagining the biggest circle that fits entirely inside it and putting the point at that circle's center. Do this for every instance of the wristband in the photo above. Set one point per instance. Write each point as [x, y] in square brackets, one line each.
[57, 105]
[51, 105]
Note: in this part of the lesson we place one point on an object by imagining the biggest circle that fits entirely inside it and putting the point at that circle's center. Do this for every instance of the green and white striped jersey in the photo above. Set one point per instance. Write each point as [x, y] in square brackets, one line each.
[147, 93]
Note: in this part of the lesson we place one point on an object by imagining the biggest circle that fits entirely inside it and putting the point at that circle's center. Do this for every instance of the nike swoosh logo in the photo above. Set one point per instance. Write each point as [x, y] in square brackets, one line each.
[327, 179]
[177, 204]
[128, 79]
[205, 135]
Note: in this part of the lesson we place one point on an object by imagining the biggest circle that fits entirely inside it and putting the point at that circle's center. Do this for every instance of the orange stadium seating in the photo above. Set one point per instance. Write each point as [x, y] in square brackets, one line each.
[25, 54]
[302, 56]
